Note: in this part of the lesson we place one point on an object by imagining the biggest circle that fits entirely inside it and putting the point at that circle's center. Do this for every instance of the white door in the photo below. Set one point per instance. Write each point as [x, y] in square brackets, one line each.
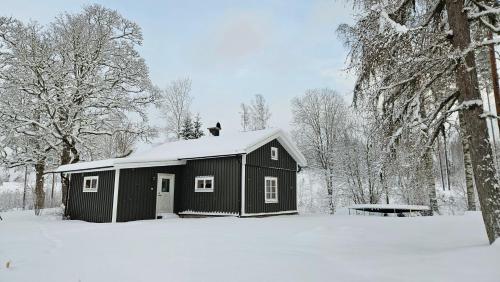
[165, 193]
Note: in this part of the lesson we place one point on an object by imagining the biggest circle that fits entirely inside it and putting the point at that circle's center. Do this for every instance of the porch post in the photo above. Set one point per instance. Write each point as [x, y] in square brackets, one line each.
[115, 195]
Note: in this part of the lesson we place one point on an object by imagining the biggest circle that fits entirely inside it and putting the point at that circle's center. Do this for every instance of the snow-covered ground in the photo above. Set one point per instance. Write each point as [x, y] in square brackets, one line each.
[284, 248]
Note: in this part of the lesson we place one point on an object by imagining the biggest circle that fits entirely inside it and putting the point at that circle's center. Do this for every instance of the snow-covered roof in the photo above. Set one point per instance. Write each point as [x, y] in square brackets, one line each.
[109, 163]
[177, 152]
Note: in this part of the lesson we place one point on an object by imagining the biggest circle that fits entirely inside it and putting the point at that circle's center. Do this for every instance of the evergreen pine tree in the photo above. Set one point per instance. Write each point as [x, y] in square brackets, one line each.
[187, 131]
[197, 132]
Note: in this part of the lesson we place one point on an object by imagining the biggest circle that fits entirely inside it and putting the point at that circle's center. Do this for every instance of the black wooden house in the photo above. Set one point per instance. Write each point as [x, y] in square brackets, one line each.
[242, 174]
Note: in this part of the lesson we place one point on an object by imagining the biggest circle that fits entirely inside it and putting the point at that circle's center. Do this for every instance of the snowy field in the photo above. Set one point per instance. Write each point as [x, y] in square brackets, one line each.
[285, 248]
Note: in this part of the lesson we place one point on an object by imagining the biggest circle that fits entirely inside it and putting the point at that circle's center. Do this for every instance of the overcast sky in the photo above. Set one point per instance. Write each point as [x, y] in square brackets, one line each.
[230, 49]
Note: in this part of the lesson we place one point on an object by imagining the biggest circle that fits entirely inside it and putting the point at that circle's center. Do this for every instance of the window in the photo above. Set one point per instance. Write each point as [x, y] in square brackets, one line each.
[274, 153]
[165, 185]
[90, 183]
[204, 184]
[271, 190]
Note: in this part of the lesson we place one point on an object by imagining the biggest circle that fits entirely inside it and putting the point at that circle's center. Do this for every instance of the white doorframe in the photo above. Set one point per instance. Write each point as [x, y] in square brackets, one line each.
[172, 189]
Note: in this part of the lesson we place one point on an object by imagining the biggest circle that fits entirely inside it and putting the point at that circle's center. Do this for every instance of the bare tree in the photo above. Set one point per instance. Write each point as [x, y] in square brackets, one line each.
[25, 63]
[256, 115]
[88, 72]
[245, 116]
[319, 117]
[175, 104]
[260, 113]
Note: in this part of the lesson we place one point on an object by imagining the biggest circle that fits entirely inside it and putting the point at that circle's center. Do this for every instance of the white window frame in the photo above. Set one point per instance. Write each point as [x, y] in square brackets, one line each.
[270, 200]
[96, 183]
[204, 179]
[274, 153]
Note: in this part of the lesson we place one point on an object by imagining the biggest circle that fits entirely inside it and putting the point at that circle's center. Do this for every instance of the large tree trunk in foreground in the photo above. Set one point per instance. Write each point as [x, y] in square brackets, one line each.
[494, 75]
[469, 174]
[487, 185]
[39, 193]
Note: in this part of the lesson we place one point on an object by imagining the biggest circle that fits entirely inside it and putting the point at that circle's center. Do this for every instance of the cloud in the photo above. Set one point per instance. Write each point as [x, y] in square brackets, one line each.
[235, 40]
[240, 36]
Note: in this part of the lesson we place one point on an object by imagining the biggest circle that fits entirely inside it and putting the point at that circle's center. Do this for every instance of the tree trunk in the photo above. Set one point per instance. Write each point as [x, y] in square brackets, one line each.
[329, 187]
[487, 185]
[39, 193]
[441, 172]
[446, 163]
[65, 159]
[25, 185]
[494, 76]
[430, 182]
[385, 186]
[469, 174]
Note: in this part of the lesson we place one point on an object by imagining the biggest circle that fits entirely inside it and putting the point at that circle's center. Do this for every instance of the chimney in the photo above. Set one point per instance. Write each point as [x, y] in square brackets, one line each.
[215, 130]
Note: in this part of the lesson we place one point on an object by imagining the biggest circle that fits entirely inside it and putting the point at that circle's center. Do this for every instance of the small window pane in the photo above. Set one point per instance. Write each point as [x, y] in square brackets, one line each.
[87, 184]
[165, 185]
[274, 153]
[94, 183]
[208, 183]
[199, 184]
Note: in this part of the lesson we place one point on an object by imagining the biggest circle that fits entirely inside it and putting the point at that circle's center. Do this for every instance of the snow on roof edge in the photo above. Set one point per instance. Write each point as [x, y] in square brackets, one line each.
[247, 146]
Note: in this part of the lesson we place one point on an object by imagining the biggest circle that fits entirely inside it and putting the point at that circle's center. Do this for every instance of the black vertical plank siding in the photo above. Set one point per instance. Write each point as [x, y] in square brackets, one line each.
[91, 206]
[137, 188]
[259, 165]
[227, 186]
[137, 192]
[262, 157]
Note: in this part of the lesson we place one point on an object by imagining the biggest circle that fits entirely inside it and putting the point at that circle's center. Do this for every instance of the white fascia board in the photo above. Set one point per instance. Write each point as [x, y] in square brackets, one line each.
[87, 170]
[149, 164]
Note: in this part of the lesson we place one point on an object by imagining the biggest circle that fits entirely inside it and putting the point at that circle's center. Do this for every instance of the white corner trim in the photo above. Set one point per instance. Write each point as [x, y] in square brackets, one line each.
[115, 195]
[271, 213]
[243, 178]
